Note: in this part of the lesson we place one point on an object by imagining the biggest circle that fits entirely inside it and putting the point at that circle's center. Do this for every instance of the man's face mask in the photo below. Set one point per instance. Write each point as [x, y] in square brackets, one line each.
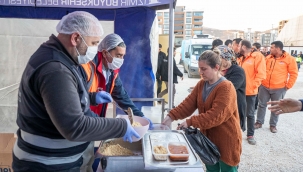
[89, 55]
[116, 63]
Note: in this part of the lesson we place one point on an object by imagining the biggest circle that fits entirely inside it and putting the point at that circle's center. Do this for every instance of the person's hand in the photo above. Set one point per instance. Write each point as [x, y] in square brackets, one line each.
[167, 121]
[182, 125]
[151, 125]
[285, 106]
[103, 97]
[130, 132]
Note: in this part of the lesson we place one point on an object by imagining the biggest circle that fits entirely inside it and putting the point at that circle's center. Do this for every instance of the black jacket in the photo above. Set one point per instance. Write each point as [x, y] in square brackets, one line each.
[53, 103]
[164, 70]
[161, 56]
[236, 75]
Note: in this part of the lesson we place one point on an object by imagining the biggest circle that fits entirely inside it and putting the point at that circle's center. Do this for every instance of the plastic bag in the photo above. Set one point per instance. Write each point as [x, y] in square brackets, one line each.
[206, 150]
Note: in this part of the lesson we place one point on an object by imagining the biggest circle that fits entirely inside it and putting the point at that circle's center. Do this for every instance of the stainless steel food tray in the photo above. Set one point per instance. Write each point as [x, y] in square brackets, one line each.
[167, 136]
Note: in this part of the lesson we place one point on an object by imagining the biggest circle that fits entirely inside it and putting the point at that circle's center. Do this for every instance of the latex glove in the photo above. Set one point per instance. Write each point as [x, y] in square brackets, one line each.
[103, 97]
[167, 121]
[151, 125]
[130, 132]
[183, 124]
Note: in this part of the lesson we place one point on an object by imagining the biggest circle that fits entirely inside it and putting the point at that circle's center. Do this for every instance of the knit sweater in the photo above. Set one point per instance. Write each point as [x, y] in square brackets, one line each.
[218, 118]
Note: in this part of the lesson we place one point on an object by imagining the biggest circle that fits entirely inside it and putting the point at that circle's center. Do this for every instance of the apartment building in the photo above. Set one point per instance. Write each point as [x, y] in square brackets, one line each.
[187, 23]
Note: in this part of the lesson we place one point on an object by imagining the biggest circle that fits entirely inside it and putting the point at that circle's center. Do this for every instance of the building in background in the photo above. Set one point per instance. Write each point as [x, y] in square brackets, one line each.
[292, 32]
[187, 23]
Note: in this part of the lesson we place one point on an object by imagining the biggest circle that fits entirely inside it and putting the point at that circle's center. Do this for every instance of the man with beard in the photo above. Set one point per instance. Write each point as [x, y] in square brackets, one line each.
[254, 66]
[235, 49]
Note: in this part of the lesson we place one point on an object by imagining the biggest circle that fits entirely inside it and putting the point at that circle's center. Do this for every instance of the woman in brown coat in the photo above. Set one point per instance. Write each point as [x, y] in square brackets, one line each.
[218, 118]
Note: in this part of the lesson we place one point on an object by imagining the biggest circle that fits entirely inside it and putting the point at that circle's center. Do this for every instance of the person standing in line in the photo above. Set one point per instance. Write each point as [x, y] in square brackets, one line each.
[228, 43]
[164, 75]
[281, 75]
[161, 56]
[236, 75]
[218, 119]
[216, 43]
[235, 49]
[254, 66]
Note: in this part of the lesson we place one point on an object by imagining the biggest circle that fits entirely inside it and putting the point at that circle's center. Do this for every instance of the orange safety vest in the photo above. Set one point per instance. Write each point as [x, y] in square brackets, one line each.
[98, 82]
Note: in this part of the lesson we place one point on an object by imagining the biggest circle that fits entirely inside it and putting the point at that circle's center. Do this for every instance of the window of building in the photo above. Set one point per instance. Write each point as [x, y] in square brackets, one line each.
[198, 13]
[198, 32]
[159, 13]
[188, 14]
[160, 26]
[198, 20]
[188, 26]
[197, 26]
[165, 32]
[166, 21]
[187, 37]
[166, 26]
[188, 32]
[188, 20]
[166, 14]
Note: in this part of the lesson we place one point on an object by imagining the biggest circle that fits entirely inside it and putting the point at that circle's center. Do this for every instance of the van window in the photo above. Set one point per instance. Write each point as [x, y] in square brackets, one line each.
[199, 49]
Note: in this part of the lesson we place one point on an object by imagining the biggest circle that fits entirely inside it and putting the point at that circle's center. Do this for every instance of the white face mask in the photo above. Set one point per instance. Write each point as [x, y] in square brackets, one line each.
[115, 64]
[89, 55]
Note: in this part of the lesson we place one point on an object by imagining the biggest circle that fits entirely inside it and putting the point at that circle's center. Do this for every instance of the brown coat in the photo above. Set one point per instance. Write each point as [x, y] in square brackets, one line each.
[218, 118]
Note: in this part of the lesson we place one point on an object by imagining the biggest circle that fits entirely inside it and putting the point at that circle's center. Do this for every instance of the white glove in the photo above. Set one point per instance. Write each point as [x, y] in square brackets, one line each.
[167, 121]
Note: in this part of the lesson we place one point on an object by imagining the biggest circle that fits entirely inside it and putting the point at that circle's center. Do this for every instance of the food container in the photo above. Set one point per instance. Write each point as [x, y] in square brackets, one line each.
[178, 151]
[140, 130]
[159, 156]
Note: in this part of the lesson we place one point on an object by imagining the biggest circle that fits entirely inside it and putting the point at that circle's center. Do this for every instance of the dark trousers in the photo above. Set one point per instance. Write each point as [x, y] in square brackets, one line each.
[159, 86]
[250, 117]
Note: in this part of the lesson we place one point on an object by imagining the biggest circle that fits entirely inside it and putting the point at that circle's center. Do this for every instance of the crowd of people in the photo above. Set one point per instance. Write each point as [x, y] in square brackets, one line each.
[237, 72]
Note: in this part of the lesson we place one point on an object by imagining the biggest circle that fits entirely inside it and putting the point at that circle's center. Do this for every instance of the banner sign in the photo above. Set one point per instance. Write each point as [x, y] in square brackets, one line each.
[107, 4]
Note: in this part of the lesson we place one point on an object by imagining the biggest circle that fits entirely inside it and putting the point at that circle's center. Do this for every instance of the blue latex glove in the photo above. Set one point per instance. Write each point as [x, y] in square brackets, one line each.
[130, 132]
[103, 97]
[151, 125]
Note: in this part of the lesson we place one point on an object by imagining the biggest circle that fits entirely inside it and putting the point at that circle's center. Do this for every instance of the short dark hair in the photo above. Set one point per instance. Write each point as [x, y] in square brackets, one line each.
[160, 46]
[228, 42]
[237, 40]
[278, 44]
[173, 51]
[246, 43]
[217, 42]
[257, 45]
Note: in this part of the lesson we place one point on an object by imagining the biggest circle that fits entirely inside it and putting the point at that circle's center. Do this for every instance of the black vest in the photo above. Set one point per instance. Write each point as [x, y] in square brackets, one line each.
[32, 115]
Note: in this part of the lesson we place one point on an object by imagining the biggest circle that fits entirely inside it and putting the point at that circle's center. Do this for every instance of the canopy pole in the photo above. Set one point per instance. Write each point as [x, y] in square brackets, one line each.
[171, 55]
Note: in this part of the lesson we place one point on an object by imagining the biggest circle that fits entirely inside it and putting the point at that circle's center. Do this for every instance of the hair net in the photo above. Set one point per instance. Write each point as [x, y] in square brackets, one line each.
[82, 22]
[225, 52]
[110, 42]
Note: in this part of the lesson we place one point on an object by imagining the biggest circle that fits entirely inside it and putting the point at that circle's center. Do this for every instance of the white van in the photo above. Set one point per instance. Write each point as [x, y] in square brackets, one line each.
[191, 50]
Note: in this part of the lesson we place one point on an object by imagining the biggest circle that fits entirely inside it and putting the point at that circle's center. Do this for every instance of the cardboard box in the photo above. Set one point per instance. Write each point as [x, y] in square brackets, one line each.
[7, 141]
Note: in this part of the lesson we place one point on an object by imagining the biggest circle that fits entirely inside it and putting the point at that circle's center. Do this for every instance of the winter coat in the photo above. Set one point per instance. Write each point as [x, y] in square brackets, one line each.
[218, 118]
[236, 75]
[164, 70]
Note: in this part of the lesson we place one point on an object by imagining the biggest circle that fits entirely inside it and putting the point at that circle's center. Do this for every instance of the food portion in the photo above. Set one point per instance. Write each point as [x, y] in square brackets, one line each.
[115, 150]
[178, 152]
[136, 124]
[160, 153]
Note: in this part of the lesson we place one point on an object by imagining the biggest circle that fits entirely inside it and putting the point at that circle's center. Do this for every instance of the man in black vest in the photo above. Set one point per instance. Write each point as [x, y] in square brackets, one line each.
[55, 122]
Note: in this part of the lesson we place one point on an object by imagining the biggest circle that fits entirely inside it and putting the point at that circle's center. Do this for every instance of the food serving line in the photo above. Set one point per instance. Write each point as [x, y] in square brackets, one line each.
[143, 155]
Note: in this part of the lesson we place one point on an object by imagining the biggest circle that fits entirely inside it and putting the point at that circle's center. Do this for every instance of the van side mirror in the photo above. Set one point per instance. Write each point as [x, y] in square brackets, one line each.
[186, 55]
